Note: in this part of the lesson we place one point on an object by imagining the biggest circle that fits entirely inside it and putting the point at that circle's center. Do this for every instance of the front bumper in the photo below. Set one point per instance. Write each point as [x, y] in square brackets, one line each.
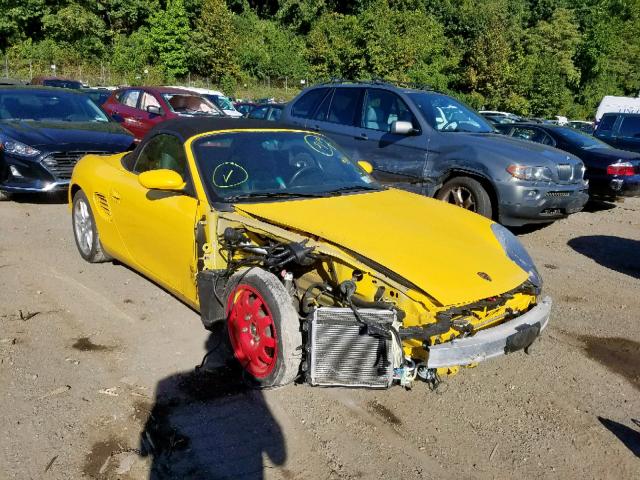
[505, 338]
[521, 204]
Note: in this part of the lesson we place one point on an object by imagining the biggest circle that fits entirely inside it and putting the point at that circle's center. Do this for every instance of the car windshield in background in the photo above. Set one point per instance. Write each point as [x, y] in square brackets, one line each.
[447, 115]
[250, 166]
[49, 106]
[186, 104]
[579, 139]
[222, 102]
[62, 83]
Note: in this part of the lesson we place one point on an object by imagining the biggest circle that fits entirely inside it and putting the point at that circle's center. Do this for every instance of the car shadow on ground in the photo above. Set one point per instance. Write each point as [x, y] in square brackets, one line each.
[628, 436]
[615, 253]
[39, 198]
[209, 423]
[594, 206]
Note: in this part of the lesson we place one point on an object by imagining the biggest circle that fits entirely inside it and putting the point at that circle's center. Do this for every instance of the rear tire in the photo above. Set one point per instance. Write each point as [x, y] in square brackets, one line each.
[85, 231]
[263, 327]
[467, 193]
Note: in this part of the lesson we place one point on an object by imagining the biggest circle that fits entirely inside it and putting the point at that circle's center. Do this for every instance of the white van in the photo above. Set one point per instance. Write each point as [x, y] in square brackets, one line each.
[612, 104]
[218, 98]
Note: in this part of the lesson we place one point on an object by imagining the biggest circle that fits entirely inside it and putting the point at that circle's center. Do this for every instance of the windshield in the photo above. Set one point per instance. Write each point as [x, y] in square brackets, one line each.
[49, 106]
[448, 115]
[580, 139]
[189, 104]
[222, 102]
[244, 166]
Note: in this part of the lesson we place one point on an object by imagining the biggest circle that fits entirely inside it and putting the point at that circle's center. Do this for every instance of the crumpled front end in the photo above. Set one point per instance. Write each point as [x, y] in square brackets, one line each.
[350, 305]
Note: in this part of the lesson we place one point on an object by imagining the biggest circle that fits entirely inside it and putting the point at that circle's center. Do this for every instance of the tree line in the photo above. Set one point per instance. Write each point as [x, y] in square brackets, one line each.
[533, 57]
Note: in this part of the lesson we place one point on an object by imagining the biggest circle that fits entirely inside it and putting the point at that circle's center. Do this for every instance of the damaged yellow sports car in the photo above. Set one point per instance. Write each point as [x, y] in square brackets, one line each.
[316, 271]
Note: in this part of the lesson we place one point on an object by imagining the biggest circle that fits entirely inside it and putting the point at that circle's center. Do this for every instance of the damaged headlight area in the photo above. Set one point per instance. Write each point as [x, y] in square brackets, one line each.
[516, 252]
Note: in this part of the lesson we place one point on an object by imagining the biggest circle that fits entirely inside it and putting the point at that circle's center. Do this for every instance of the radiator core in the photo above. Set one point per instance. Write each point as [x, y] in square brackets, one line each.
[343, 354]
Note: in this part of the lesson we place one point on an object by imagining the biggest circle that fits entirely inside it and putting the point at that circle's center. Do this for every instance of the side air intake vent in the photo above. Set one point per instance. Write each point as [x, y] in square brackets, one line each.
[103, 204]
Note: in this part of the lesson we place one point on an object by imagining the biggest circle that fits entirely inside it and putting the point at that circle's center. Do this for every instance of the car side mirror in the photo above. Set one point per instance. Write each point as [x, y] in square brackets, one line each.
[154, 110]
[366, 166]
[400, 127]
[162, 179]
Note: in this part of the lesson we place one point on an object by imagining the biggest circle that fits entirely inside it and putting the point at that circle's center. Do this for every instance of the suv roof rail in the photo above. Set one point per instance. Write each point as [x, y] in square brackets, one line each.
[378, 81]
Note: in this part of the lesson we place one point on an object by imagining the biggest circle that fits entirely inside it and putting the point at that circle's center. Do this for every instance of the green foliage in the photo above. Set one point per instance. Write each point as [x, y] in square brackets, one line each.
[534, 57]
[169, 34]
[213, 42]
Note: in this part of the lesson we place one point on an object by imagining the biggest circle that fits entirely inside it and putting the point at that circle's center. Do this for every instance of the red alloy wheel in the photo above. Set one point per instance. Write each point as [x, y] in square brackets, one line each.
[252, 331]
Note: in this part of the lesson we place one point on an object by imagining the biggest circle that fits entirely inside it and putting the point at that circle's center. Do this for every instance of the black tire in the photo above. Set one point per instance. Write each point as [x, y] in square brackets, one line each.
[467, 193]
[89, 247]
[285, 325]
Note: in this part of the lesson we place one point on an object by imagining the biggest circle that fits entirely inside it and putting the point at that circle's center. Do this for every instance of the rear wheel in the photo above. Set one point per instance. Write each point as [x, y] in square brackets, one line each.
[263, 326]
[85, 231]
[467, 193]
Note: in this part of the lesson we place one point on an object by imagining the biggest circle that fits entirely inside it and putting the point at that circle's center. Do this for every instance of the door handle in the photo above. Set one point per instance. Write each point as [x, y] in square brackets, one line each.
[362, 136]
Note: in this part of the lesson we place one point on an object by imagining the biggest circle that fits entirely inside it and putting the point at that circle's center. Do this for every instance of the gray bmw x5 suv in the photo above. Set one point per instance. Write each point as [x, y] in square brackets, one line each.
[429, 143]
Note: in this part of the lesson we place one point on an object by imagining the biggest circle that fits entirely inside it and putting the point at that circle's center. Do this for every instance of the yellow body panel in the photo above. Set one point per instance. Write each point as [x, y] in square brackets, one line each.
[423, 240]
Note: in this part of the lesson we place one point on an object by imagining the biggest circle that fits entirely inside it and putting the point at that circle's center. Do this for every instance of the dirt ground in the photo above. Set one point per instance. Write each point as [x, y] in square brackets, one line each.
[97, 378]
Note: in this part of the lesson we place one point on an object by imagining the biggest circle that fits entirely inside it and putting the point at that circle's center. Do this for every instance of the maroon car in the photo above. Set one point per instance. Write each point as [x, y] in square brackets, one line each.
[139, 109]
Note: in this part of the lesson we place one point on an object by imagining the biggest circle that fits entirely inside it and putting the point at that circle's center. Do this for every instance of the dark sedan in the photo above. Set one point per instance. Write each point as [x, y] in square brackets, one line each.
[45, 131]
[268, 111]
[611, 172]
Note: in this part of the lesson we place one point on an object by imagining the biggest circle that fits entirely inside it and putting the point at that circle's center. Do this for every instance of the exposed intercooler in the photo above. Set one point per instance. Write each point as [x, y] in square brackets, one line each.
[343, 351]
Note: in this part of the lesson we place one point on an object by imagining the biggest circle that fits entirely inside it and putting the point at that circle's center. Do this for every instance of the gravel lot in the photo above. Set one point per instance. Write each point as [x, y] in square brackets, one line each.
[97, 377]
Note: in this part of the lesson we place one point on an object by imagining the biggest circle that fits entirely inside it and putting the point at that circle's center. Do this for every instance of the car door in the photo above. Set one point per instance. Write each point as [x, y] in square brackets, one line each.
[148, 119]
[605, 129]
[126, 111]
[338, 117]
[629, 133]
[397, 159]
[157, 227]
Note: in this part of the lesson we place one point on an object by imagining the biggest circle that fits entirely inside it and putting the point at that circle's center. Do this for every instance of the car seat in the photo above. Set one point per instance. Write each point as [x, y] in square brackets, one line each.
[374, 119]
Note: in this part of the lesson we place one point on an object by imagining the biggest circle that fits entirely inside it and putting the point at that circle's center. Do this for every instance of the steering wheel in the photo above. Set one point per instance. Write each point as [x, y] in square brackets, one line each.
[303, 170]
[453, 124]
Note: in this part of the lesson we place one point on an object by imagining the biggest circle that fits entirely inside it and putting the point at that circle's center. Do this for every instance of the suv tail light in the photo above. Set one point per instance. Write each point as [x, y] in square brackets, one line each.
[624, 169]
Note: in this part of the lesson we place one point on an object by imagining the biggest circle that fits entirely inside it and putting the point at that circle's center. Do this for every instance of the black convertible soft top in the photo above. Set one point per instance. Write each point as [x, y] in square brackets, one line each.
[188, 127]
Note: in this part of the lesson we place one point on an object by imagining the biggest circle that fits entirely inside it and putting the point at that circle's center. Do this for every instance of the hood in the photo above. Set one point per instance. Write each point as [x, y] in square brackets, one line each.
[438, 247]
[516, 150]
[98, 136]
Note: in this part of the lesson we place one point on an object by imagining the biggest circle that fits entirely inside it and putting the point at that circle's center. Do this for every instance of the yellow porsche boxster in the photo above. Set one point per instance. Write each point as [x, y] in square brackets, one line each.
[316, 271]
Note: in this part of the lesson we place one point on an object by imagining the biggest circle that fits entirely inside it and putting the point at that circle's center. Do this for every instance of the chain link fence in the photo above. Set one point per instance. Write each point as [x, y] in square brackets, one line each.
[103, 75]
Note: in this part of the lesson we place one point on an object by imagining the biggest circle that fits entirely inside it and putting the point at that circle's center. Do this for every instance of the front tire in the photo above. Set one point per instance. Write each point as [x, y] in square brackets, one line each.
[264, 328]
[467, 193]
[85, 231]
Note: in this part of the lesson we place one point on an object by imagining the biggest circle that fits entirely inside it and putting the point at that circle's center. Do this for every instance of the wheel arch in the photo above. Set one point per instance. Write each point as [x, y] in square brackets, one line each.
[485, 181]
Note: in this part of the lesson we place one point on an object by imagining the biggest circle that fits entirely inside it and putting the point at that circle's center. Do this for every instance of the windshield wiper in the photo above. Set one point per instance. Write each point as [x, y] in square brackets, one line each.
[353, 188]
[251, 196]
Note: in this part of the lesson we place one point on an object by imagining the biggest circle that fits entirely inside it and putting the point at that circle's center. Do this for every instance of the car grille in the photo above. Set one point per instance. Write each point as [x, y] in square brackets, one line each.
[558, 194]
[568, 172]
[61, 164]
[565, 172]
